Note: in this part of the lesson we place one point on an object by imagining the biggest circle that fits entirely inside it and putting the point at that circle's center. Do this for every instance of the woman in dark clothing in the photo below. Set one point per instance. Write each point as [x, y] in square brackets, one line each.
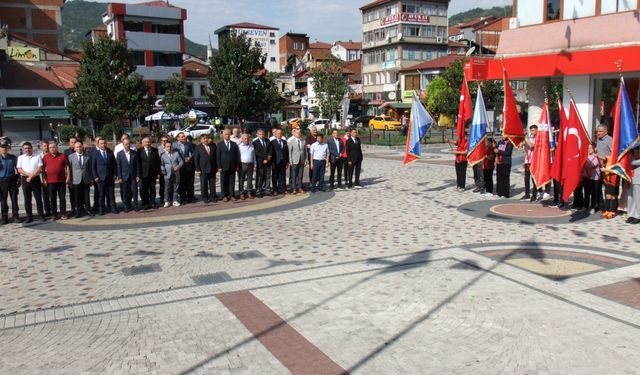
[503, 151]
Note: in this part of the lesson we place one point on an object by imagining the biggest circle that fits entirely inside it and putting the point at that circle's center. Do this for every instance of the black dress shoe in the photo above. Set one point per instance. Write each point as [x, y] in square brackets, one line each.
[115, 212]
[126, 210]
[89, 213]
[629, 220]
[636, 221]
[29, 219]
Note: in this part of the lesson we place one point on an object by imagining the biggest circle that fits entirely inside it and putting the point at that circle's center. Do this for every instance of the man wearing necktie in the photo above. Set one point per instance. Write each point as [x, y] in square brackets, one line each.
[204, 159]
[298, 160]
[228, 161]
[262, 148]
[81, 179]
[280, 160]
[103, 170]
[149, 171]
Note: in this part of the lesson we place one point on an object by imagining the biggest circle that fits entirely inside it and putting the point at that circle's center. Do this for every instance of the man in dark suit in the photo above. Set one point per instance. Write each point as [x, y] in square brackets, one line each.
[262, 148]
[354, 158]
[228, 160]
[187, 172]
[128, 167]
[149, 159]
[80, 164]
[204, 159]
[103, 170]
[336, 149]
[280, 163]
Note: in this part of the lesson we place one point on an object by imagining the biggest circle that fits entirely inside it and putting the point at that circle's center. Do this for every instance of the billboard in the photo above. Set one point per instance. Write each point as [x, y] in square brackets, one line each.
[256, 35]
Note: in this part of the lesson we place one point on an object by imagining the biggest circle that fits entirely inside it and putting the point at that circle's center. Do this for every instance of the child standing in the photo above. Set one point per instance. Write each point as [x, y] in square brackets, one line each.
[590, 178]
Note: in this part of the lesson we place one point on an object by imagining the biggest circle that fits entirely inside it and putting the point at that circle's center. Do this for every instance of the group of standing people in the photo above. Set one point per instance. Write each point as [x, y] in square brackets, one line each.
[599, 190]
[260, 166]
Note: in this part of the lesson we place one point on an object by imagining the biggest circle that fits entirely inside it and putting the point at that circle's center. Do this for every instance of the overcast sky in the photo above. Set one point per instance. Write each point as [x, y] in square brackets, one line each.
[325, 20]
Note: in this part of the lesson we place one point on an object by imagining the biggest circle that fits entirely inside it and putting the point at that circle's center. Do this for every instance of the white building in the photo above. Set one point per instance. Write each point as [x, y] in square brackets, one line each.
[347, 51]
[154, 31]
[267, 36]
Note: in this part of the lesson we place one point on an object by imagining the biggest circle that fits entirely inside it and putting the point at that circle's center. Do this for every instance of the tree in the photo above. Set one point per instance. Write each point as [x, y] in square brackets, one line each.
[330, 85]
[175, 95]
[107, 88]
[272, 102]
[441, 98]
[236, 78]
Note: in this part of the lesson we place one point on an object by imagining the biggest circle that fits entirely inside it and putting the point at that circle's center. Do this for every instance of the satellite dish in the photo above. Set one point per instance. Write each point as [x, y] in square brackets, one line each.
[470, 51]
[399, 36]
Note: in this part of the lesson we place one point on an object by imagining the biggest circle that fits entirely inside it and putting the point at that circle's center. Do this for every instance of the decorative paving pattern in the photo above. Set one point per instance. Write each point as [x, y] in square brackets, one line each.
[624, 292]
[506, 210]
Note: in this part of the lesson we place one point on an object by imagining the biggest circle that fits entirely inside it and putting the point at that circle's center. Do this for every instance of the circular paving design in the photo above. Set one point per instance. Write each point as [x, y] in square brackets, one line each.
[186, 214]
[528, 210]
[513, 211]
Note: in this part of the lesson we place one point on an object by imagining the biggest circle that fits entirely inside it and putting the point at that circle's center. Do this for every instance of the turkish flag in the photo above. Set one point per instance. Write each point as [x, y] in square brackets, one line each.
[575, 150]
[464, 109]
[541, 157]
[556, 167]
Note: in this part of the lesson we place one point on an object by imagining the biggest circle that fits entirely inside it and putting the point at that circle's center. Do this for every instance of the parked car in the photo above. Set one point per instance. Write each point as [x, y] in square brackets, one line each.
[384, 123]
[362, 121]
[194, 130]
[252, 127]
[293, 122]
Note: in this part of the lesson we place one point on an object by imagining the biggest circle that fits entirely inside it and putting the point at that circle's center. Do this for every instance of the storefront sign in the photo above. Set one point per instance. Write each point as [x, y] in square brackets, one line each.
[23, 53]
[407, 96]
[405, 17]
[388, 65]
[256, 35]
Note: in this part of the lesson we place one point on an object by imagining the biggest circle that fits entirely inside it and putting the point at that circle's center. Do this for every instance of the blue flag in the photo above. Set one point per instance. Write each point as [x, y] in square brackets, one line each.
[477, 138]
[419, 125]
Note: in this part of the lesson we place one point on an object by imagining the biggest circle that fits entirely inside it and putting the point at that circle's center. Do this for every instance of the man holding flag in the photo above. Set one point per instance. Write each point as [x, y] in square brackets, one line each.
[477, 138]
[419, 123]
[461, 143]
[541, 157]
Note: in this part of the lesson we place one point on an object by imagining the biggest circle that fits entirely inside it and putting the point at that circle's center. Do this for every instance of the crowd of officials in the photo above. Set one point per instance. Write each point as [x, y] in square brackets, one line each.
[258, 164]
[599, 190]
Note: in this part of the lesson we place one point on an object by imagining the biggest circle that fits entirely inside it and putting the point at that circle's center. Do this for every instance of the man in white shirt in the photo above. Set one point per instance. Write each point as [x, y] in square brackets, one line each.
[29, 167]
[319, 153]
[247, 166]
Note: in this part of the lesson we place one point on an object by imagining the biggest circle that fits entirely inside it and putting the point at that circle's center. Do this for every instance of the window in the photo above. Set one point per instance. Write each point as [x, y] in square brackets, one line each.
[272, 42]
[137, 58]
[272, 35]
[167, 59]
[411, 8]
[166, 29]
[578, 8]
[273, 59]
[53, 102]
[411, 31]
[22, 102]
[553, 10]
[160, 90]
[133, 26]
[189, 88]
[203, 90]
[530, 12]
[412, 82]
[613, 6]
[442, 10]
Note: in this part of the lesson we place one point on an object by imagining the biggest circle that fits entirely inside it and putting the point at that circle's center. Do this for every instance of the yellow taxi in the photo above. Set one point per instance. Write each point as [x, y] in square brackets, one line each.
[295, 122]
[384, 123]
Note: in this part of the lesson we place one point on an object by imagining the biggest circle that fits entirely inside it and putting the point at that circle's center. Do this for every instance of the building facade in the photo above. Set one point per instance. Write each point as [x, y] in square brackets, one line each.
[292, 47]
[396, 35]
[584, 44]
[347, 51]
[268, 38]
[38, 21]
[155, 32]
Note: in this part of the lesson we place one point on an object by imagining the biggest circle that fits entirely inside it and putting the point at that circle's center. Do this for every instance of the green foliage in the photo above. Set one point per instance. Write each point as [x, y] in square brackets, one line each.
[555, 92]
[492, 91]
[441, 98]
[470, 14]
[272, 102]
[109, 130]
[175, 96]
[107, 89]
[330, 85]
[78, 17]
[67, 131]
[304, 125]
[236, 82]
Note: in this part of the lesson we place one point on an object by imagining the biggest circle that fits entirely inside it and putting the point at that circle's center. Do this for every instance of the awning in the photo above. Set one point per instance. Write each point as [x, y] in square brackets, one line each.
[34, 114]
[395, 105]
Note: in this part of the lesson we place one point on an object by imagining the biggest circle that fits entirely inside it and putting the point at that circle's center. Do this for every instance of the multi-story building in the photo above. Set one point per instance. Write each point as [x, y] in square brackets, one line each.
[155, 32]
[483, 33]
[584, 44]
[347, 51]
[292, 48]
[39, 21]
[267, 36]
[396, 35]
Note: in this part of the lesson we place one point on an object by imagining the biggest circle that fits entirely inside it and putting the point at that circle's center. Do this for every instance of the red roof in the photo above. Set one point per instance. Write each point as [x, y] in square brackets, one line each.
[439, 63]
[23, 77]
[195, 69]
[249, 25]
[319, 53]
[350, 44]
[454, 30]
[320, 45]
[355, 66]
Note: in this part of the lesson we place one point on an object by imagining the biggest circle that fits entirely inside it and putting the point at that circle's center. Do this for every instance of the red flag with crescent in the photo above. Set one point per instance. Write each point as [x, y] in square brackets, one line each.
[575, 151]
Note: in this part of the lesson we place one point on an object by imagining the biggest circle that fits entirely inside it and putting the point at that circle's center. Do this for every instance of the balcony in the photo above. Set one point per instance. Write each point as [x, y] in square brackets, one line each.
[141, 41]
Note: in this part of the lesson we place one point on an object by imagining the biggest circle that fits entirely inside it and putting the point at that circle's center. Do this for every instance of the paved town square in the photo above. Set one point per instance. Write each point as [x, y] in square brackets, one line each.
[403, 276]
